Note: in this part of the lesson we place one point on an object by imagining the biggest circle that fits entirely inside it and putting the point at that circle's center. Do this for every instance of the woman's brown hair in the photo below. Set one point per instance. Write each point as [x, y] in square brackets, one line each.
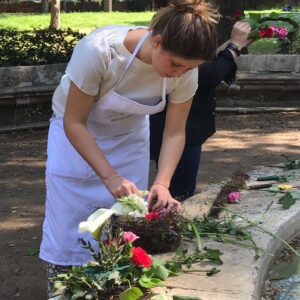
[188, 28]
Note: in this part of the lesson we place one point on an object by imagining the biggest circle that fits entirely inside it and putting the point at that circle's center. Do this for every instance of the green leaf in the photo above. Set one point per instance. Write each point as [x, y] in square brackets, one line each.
[213, 255]
[253, 23]
[78, 295]
[149, 282]
[274, 15]
[199, 244]
[160, 270]
[159, 297]
[254, 16]
[212, 272]
[131, 294]
[295, 195]
[180, 250]
[274, 189]
[32, 251]
[185, 298]
[287, 201]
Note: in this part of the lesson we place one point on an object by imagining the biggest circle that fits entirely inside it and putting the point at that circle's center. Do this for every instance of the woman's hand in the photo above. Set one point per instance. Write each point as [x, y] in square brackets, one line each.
[163, 198]
[120, 187]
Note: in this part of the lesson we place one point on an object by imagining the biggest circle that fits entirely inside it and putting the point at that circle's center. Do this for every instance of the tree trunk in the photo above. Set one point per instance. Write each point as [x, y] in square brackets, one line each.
[108, 5]
[227, 8]
[55, 14]
[44, 7]
[82, 4]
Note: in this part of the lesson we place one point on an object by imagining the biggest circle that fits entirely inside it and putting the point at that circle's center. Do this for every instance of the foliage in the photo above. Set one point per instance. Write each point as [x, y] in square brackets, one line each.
[137, 5]
[291, 164]
[36, 47]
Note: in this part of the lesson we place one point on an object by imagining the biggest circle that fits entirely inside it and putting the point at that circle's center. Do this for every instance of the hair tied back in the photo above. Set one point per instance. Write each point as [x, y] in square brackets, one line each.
[196, 7]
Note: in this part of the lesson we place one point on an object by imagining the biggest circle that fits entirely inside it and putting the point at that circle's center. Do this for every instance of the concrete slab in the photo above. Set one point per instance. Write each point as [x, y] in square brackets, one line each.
[242, 276]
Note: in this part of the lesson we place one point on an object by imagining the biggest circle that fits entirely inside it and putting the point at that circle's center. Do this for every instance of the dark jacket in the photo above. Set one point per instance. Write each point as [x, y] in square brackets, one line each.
[201, 120]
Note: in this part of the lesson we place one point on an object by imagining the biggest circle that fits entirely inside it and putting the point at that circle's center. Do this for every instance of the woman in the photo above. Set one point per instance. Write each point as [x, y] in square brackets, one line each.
[98, 144]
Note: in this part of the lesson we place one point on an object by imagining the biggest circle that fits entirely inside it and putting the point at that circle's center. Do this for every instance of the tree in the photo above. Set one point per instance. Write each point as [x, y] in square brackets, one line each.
[44, 7]
[55, 14]
[108, 5]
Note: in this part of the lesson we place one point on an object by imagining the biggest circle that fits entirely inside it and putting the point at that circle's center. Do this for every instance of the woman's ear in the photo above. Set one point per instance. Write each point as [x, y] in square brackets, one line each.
[156, 41]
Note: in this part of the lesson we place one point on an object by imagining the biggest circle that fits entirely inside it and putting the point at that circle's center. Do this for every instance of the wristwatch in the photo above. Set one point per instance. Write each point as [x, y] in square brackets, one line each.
[234, 48]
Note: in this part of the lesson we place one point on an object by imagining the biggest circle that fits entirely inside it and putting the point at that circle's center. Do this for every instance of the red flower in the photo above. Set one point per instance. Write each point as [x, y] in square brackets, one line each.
[140, 257]
[238, 14]
[152, 215]
[112, 242]
[262, 32]
[269, 32]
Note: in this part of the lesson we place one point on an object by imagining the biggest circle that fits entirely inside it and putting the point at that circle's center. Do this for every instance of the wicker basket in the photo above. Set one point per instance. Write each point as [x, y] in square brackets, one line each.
[155, 236]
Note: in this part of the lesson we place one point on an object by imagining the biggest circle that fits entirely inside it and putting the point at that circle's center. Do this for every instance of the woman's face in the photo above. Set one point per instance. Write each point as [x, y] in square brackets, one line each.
[168, 65]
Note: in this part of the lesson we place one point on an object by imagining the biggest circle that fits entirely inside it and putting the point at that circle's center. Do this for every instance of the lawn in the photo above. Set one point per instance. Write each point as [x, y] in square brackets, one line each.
[84, 22]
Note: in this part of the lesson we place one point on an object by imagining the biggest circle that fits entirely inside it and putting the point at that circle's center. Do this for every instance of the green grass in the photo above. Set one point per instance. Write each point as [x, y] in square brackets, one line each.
[84, 22]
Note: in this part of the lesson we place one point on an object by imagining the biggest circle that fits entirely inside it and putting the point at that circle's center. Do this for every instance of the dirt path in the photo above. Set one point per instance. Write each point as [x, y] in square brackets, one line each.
[244, 142]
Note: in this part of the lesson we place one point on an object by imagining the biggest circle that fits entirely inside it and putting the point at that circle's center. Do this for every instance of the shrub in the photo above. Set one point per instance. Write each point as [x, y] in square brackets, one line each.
[137, 5]
[36, 47]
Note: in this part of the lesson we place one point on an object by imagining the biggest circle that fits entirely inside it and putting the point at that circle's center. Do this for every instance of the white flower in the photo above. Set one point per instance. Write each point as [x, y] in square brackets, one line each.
[132, 206]
[95, 220]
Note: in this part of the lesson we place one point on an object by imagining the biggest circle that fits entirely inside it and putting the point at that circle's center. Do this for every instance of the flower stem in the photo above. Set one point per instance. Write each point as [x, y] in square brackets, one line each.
[263, 230]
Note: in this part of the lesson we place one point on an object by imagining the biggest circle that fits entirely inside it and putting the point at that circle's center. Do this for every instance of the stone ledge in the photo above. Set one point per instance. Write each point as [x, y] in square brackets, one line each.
[242, 276]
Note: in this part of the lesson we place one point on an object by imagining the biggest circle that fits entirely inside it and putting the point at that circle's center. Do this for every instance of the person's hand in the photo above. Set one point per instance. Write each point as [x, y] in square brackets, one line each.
[240, 33]
[119, 187]
[249, 42]
[163, 198]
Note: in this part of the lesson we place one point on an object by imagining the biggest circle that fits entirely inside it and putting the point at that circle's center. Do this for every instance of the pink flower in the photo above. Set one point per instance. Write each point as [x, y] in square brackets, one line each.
[234, 197]
[282, 31]
[129, 236]
[274, 28]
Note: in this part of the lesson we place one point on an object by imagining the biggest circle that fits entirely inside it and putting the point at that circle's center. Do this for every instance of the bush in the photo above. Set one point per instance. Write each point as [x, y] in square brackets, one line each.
[137, 5]
[37, 47]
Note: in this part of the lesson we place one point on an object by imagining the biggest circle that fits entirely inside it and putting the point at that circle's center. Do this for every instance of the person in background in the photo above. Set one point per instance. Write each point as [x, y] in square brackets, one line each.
[287, 7]
[201, 120]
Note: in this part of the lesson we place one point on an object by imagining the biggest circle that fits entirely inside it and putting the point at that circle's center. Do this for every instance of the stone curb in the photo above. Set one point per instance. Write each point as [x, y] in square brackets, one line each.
[242, 276]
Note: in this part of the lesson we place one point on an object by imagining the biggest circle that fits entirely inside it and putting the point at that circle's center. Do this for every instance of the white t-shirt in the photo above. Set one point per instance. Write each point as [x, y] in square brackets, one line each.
[97, 63]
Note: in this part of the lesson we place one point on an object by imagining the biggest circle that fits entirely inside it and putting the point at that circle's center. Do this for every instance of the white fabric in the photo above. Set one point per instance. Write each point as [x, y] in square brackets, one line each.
[99, 59]
[121, 129]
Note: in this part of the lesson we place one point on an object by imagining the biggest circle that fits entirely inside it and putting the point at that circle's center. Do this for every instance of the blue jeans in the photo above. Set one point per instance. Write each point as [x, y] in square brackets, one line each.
[183, 183]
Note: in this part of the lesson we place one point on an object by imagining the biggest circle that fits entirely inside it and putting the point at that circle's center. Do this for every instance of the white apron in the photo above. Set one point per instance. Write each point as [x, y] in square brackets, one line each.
[121, 129]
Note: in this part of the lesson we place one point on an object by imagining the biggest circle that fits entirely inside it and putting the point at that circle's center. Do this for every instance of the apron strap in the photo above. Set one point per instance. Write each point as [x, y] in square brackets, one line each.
[133, 56]
[130, 61]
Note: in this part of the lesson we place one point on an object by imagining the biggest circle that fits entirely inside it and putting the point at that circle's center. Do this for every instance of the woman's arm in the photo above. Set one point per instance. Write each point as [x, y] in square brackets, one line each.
[172, 146]
[76, 115]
